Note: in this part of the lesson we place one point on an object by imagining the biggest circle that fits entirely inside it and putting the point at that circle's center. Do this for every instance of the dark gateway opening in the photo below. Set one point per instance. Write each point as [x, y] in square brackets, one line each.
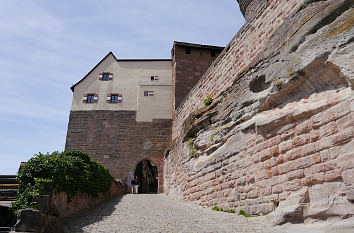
[147, 176]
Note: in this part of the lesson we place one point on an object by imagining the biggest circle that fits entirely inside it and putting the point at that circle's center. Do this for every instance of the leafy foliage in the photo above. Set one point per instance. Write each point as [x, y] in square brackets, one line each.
[216, 208]
[208, 100]
[192, 149]
[69, 171]
[244, 213]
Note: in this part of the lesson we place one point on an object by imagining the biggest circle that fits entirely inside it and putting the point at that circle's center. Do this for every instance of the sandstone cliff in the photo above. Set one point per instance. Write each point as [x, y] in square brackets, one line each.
[284, 127]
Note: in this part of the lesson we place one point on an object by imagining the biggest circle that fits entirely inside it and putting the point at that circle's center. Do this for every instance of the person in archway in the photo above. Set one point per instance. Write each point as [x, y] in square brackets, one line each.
[135, 185]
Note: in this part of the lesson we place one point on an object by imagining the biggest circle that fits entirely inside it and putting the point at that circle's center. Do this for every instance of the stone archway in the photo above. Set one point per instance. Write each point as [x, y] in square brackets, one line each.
[147, 175]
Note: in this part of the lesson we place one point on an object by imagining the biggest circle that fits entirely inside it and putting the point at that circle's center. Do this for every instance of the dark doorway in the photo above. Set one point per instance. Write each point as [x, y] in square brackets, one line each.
[147, 177]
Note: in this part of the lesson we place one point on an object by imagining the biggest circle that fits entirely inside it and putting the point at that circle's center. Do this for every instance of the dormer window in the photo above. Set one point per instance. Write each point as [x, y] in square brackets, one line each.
[153, 78]
[106, 76]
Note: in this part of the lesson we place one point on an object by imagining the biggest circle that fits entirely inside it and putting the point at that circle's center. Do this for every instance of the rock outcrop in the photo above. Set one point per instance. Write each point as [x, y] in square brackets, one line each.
[285, 125]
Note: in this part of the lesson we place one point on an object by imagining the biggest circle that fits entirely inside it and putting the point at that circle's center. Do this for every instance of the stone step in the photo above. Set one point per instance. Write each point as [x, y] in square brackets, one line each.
[8, 194]
[8, 180]
[8, 186]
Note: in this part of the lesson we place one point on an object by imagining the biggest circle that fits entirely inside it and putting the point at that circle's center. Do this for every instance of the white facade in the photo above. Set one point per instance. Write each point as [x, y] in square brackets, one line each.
[130, 79]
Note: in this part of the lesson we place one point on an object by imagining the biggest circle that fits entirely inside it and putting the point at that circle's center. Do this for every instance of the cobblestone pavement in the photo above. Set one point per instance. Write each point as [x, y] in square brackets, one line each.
[158, 213]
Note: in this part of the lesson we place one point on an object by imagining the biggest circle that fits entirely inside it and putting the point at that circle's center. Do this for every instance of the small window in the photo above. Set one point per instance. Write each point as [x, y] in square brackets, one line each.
[148, 93]
[212, 53]
[114, 98]
[90, 98]
[154, 78]
[188, 50]
[106, 76]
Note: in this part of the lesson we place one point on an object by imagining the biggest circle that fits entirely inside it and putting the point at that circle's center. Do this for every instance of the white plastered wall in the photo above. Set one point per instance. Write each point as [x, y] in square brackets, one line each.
[131, 79]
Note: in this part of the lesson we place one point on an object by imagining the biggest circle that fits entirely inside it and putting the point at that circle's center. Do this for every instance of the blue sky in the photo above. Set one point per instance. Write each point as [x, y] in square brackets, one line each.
[46, 46]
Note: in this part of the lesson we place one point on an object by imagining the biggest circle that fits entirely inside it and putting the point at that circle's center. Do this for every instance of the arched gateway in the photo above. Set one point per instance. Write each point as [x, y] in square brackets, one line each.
[147, 175]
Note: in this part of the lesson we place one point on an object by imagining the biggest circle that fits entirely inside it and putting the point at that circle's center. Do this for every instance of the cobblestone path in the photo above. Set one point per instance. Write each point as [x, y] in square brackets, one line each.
[158, 213]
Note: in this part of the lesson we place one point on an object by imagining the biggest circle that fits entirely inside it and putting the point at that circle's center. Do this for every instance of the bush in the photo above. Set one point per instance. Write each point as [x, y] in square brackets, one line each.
[192, 149]
[69, 171]
[208, 100]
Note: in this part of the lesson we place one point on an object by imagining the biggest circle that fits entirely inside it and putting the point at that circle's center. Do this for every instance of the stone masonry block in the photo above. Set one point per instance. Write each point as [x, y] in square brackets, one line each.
[348, 177]
[338, 111]
[280, 159]
[323, 143]
[319, 119]
[274, 141]
[301, 140]
[285, 146]
[342, 137]
[346, 161]
[315, 135]
[317, 178]
[265, 154]
[328, 129]
[334, 175]
[275, 150]
[303, 127]
[324, 155]
[293, 154]
[341, 150]
[308, 149]
[292, 185]
[295, 174]
[345, 122]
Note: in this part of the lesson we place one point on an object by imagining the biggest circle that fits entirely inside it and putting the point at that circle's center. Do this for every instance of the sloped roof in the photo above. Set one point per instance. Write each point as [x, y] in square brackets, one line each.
[118, 60]
[185, 44]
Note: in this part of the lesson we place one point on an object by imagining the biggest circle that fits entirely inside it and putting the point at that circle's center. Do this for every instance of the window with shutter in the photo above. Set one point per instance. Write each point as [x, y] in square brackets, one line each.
[90, 98]
[105, 76]
[114, 99]
[148, 93]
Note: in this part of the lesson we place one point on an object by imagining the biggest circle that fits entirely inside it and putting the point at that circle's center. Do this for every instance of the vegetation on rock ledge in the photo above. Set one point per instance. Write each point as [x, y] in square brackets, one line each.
[69, 171]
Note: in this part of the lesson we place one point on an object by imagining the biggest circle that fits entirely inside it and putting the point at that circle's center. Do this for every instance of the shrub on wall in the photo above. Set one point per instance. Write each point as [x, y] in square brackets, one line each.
[69, 171]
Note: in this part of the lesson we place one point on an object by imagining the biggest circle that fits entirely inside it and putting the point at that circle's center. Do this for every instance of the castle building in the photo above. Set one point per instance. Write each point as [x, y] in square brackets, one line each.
[122, 110]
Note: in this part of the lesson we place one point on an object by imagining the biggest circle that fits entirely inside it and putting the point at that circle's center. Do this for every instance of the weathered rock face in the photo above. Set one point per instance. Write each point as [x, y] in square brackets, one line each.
[285, 124]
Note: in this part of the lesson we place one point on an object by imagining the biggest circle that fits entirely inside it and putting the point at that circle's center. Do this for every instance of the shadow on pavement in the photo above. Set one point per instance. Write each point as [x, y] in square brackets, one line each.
[78, 222]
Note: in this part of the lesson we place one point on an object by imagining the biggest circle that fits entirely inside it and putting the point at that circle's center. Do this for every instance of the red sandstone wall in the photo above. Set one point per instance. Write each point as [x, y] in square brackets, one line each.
[237, 56]
[81, 202]
[285, 125]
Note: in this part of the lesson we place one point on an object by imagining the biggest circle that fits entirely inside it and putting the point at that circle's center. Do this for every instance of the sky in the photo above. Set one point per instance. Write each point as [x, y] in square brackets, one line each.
[46, 46]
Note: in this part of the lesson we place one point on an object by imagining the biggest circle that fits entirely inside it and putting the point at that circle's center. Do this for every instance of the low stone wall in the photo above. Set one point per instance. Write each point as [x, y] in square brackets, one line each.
[284, 126]
[69, 205]
[55, 206]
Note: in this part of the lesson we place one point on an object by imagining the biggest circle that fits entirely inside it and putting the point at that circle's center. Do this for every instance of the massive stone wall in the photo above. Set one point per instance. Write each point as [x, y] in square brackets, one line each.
[188, 68]
[282, 120]
[115, 139]
[238, 55]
